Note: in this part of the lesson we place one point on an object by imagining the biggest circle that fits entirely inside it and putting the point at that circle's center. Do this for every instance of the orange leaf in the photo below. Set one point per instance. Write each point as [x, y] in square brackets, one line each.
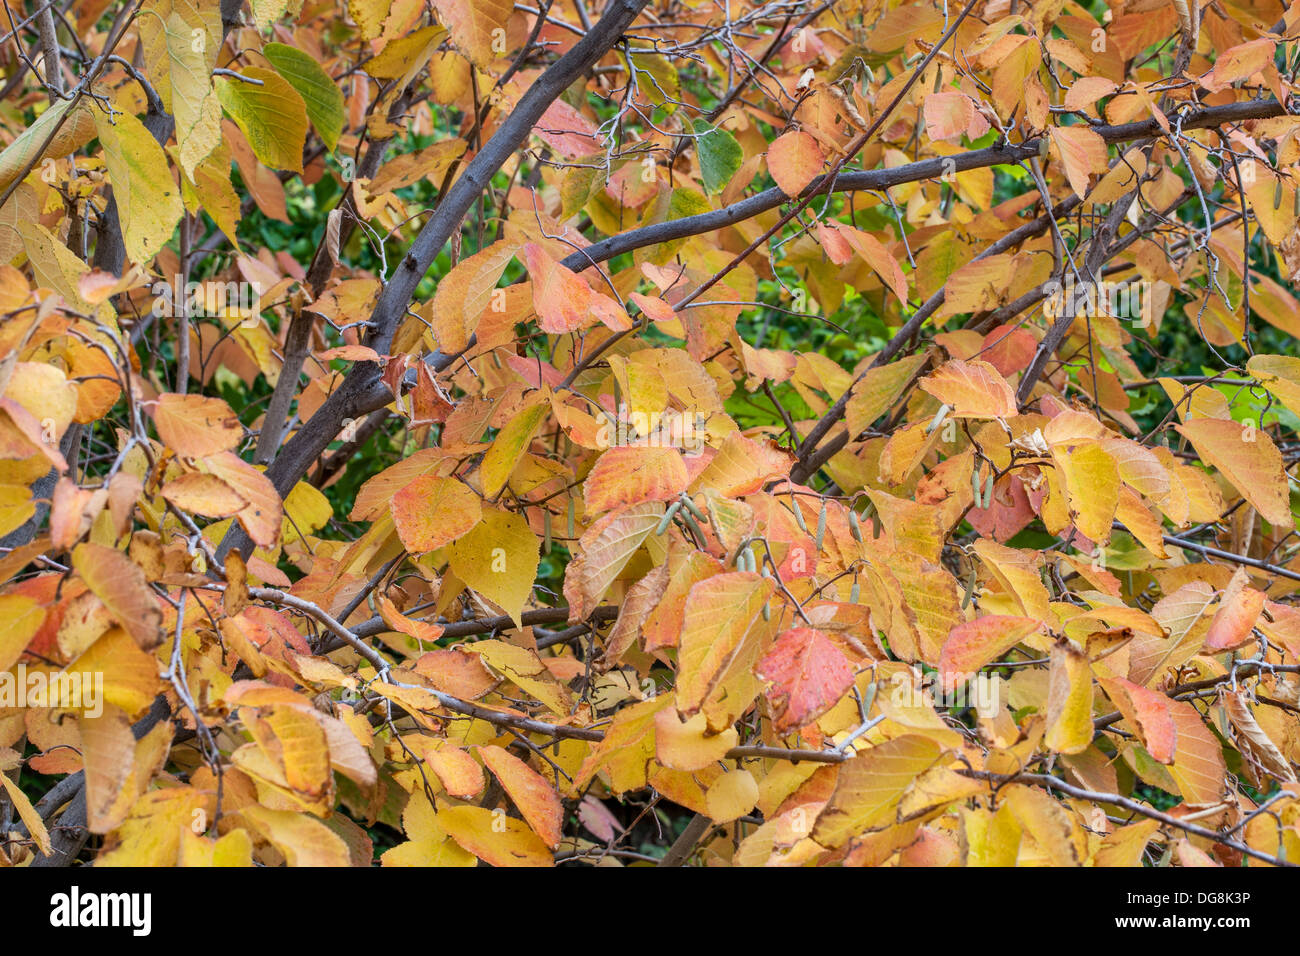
[975, 643]
[561, 297]
[629, 475]
[194, 426]
[535, 798]
[972, 390]
[1147, 712]
[1082, 153]
[1248, 458]
[794, 160]
[431, 512]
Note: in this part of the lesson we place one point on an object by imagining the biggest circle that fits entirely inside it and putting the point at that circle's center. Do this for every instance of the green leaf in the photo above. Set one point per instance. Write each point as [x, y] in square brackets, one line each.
[272, 116]
[720, 155]
[322, 97]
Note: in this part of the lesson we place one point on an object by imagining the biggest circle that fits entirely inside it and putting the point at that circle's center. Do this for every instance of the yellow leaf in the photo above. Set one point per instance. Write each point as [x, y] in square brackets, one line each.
[148, 199]
[719, 613]
[494, 837]
[27, 813]
[869, 787]
[498, 559]
[302, 840]
[1248, 458]
[1069, 701]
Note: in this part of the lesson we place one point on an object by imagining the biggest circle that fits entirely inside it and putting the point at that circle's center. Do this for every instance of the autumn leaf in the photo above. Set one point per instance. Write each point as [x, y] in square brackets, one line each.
[809, 673]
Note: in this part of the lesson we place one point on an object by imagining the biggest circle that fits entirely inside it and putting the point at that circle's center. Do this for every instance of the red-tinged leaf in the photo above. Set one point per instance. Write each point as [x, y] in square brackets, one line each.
[948, 114]
[1082, 152]
[975, 643]
[874, 254]
[794, 160]
[628, 475]
[561, 297]
[809, 674]
[1239, 63]
[1234, 622]
[1147, 712]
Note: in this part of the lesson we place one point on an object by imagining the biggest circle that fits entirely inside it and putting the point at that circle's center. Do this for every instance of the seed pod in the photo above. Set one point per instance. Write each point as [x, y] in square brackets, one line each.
[970, 588]
[667, 519]
[798, 514]
[691, 523]
[855, 591]
[855, 528]
[821, 526]
[939, 416]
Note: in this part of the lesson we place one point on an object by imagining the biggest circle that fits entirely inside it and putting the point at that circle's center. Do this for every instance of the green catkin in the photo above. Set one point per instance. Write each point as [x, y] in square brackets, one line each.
[1277, 193]
[690, 521]
[970, 588]
[546, 525]
[821, 527]
[798, 515]
[570, 527]
[938, 80]
[854, 591]
[855, 528]
[1297, 203]
[689, 505]
[667, 519]
[988, 491]
[975, 489]
[1042, 148]
[767, 611]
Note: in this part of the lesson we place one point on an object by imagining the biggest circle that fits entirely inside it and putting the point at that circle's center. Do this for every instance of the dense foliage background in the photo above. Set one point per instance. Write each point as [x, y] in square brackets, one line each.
[782, 433]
